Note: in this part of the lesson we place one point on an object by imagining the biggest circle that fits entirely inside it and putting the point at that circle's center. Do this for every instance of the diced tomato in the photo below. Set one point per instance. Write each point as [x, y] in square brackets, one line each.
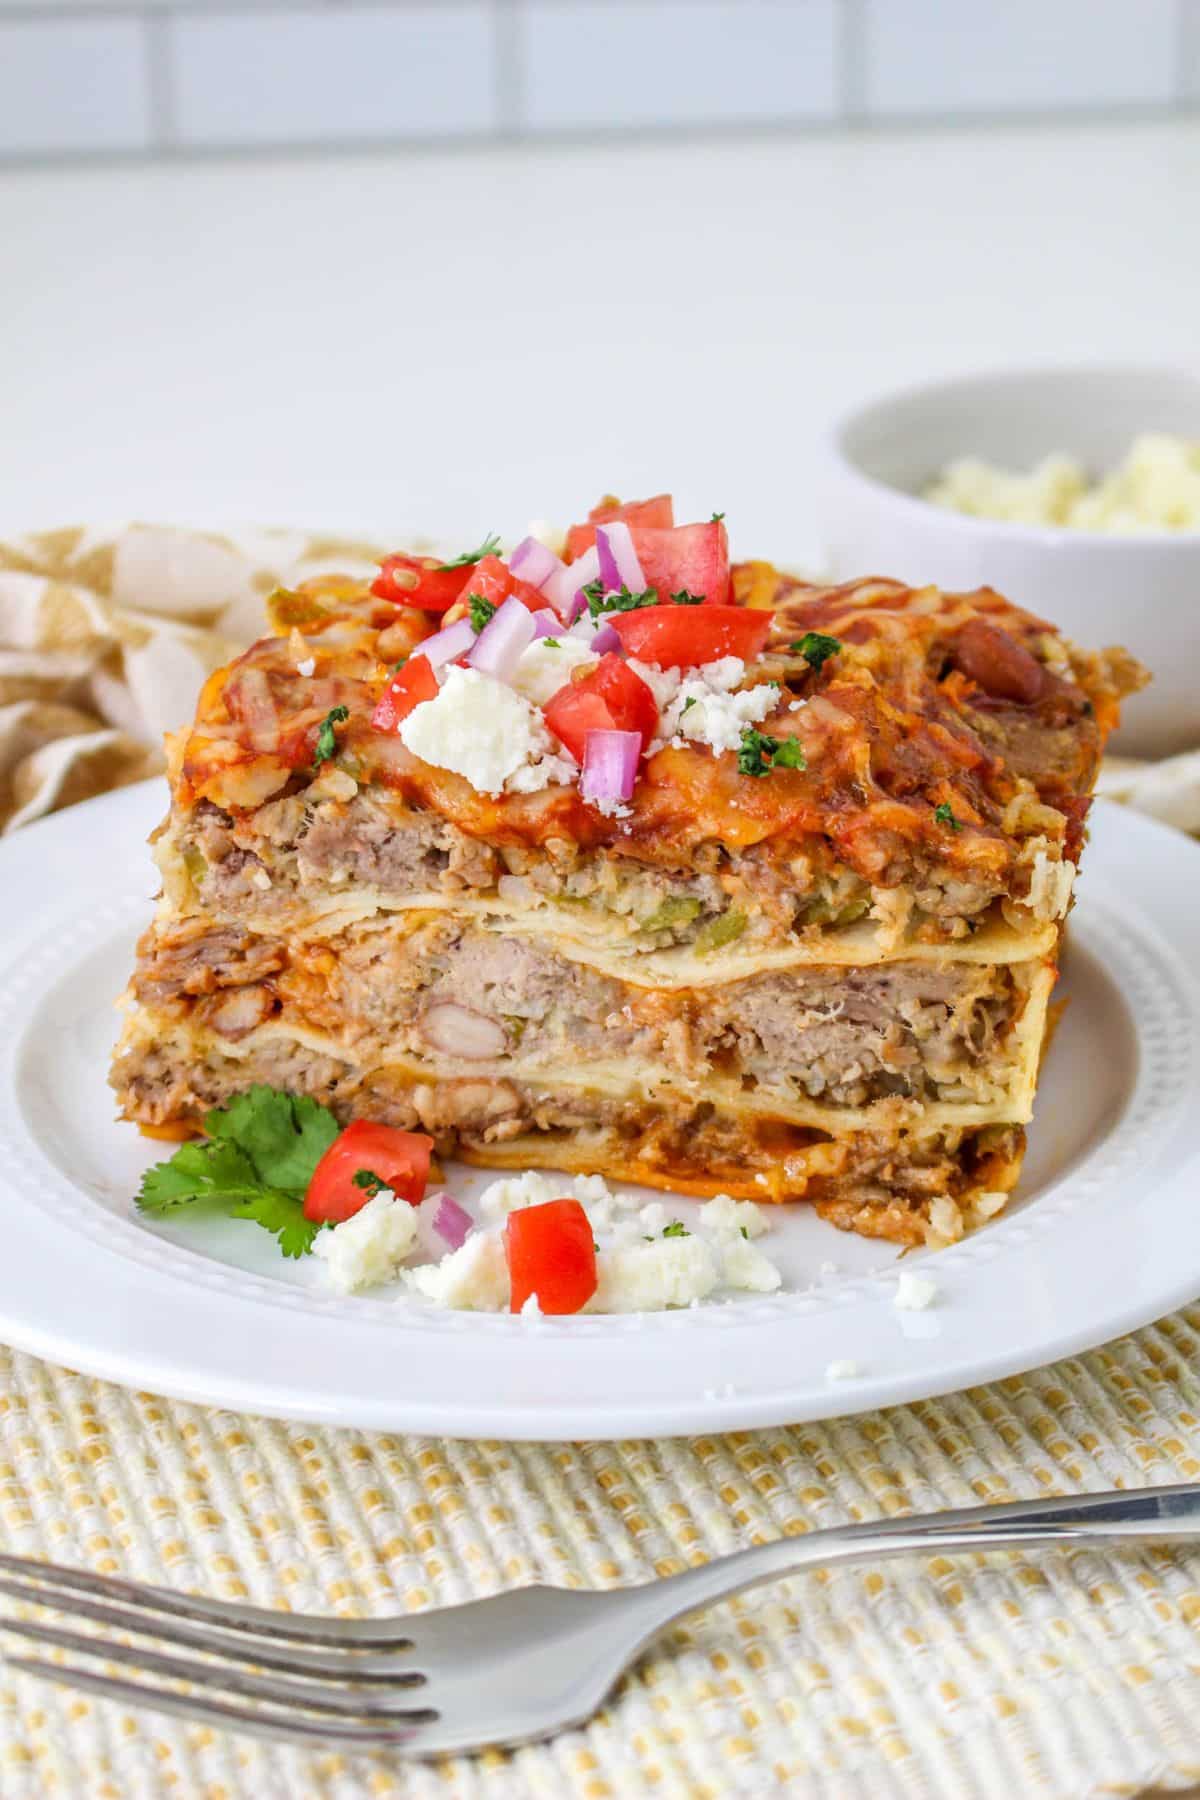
[551, 1253]
[422, 581]
[613, 697]
[692, 557]
[496, 582]
[658, 512]
[399, 1158]
[410, 685]
[681, 637]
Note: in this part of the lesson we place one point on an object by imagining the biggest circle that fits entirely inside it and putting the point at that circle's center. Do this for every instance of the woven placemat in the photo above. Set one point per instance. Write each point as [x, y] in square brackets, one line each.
[1069, 1674]
[1064, 1674]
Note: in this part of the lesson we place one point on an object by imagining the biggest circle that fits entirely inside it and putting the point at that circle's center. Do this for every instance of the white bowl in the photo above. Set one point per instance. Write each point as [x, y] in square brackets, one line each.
[1142, 591]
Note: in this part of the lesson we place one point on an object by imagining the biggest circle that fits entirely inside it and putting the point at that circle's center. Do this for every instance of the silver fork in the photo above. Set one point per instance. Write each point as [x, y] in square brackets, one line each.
[515, 1667]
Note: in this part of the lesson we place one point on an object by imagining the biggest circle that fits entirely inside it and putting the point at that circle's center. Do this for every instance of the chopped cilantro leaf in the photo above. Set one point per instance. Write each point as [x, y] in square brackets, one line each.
[743, 1231]
[481, 610]
[945, 816]
[683, 598]
[601, 600]
[489, 547]
[676, 1229]
[397, 666]
[326, 736]
[256, 1164]
[816, 648]
[760, 753]
[716, 518]
[789, 755]
[690, 701]
[554, 643]
[368, 1179]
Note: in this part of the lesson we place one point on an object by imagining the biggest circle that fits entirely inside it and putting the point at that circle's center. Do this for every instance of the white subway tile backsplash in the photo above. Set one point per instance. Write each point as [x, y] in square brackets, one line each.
[346, 73]
[955, 56]
[669, 62]
[72, 84]
[82, 76]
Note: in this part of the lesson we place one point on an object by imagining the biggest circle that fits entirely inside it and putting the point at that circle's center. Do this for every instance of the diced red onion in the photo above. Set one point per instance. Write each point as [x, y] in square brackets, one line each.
[442, 1224]
[610, 764]
[533, 562]
[606, 639]
[497, 649]
[546, 623]
[452, 1222]
[564, 585]
[619, 565]
[577, 608]
[446, 645]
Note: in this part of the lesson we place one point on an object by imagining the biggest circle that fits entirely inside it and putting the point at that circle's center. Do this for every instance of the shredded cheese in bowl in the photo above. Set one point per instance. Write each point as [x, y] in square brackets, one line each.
[1155, 488]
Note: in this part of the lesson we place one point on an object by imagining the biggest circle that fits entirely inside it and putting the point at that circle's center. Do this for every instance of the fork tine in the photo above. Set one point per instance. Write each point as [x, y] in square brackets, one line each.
[282, 1728]
[327, 1697]
[374, 1634]
[236, 1645]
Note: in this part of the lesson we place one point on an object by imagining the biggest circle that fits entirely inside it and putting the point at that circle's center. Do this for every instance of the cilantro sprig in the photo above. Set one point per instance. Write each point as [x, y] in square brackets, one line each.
[327, 736]
[683, 598]
[759, 753]
[489, 547]
[256, 1163]
[944, 814]
[816, 648]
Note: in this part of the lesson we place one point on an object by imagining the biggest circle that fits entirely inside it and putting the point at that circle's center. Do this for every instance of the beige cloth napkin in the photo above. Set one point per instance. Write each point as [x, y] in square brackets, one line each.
[106, 635]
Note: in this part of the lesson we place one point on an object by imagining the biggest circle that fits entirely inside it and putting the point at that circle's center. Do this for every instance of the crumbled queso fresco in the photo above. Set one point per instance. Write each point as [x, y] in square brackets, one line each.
[1156, 488]
[707, 705]
[487, 732]
[647, 1258]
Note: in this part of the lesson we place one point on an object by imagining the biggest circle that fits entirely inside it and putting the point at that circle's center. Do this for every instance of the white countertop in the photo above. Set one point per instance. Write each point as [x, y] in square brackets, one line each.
[462, 339]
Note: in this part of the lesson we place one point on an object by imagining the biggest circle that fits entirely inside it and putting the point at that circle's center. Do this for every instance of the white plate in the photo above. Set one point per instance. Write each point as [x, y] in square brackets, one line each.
[1105, 1235]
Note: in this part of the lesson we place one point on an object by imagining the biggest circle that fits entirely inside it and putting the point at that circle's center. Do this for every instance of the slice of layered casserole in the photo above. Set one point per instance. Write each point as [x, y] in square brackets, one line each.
[627, 861]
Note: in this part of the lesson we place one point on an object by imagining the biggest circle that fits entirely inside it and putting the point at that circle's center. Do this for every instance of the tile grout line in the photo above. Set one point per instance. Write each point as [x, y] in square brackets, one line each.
[850, 60]
[1186, 96]
[645, 137]
[508, 84]
[159, 81]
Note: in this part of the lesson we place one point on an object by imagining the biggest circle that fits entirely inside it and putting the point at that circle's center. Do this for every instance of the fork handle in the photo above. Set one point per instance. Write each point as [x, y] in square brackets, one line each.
[1134, 1516]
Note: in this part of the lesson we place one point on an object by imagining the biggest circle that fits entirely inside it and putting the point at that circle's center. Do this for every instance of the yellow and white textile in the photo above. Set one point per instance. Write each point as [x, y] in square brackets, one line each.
[968, 1678]
[1064, 1675]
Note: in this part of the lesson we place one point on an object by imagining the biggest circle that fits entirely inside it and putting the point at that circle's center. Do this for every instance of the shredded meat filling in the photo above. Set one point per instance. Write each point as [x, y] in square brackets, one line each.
[445, 993]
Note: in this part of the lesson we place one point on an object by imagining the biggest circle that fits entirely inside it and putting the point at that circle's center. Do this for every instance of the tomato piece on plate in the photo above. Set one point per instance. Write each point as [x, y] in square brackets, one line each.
[551, 1253]
[660, 511]
[410, 685]
[495, 582]
[400, 1159]
[421, 581]
[683, 637]
[613, 697]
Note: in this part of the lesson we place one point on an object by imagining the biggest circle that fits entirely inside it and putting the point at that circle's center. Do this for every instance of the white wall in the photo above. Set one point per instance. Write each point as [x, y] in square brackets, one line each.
[88, 77]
